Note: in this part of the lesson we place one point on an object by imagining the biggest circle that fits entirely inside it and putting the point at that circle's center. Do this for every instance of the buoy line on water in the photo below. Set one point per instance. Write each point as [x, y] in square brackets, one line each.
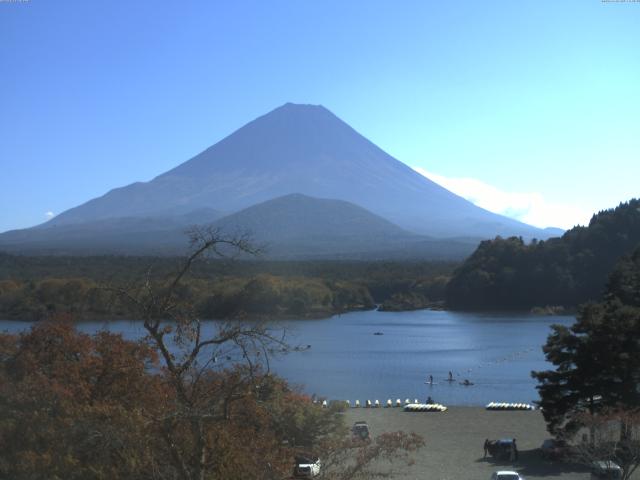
[457, 374]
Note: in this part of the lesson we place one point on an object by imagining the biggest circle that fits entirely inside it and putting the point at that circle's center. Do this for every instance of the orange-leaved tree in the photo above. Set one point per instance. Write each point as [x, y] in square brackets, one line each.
[74, 405]
[193, 400]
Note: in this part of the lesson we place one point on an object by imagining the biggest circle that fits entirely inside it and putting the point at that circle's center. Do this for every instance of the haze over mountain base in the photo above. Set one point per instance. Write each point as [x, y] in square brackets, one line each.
[301, 181]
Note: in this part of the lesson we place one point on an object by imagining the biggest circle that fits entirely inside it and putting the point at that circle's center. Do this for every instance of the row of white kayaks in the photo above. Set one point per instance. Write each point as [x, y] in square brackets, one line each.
[425, 407]
[398, 403]
[510, 406]
[376, 403]
[416, 406]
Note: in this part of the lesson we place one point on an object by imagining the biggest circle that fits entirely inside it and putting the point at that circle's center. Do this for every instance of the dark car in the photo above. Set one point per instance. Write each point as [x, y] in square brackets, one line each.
[502, 449]
[553, 449]
[360, 431]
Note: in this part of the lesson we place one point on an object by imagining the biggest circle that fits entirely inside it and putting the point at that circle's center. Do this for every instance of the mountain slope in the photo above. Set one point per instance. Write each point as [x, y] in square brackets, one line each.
[290, 227]
[298, 217]
[299, 226]
[305, 149]
[125, 235]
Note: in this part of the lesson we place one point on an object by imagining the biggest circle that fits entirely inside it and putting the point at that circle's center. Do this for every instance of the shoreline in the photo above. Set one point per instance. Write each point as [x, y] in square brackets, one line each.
[307, 316]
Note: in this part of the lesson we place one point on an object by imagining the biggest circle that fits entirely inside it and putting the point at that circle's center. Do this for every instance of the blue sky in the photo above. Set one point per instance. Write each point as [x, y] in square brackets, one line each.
[529, 108]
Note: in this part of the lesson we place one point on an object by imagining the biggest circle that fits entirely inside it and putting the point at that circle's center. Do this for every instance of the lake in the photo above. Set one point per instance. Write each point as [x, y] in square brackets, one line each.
[347, 361]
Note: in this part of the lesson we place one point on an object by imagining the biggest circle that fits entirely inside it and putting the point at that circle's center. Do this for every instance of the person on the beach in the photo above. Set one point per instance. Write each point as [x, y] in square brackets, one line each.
[486, 447]
[450, 376]
[430, 378]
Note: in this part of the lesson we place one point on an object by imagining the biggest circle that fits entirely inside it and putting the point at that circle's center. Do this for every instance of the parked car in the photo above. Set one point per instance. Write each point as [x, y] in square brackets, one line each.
[553, 449]
[307, 466]
[502, 449]
[360, 431]
[506, 475]
[605, 470]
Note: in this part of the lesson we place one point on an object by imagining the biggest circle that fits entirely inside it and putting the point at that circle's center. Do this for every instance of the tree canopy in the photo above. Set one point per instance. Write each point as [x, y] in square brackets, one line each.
[32, 288]
[186, 402]
[597, 360]
[566, 271]
[78, 406]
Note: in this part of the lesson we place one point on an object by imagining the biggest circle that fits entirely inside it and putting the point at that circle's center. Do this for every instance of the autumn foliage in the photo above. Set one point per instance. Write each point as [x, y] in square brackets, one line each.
[78, 406]
[189, 401]
[74, 406]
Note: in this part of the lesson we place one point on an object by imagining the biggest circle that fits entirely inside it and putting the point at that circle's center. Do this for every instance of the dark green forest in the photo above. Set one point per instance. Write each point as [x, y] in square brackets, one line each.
[603, 346]
[38, 287]
[507, 273]
[594, 382]
[502, 274]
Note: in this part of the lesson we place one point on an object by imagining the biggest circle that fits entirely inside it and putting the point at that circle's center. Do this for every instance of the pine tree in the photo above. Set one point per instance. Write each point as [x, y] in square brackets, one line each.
[597, 359]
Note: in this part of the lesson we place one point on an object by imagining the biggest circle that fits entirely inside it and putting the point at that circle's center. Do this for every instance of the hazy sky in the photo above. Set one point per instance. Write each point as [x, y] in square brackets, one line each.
[530, 108]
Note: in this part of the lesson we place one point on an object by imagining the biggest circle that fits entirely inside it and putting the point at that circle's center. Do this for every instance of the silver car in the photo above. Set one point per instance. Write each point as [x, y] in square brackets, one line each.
[605, 470]
[506, 475]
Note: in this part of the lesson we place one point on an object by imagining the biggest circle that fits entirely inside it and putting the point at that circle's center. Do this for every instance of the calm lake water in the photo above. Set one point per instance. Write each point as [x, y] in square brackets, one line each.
[347, 361]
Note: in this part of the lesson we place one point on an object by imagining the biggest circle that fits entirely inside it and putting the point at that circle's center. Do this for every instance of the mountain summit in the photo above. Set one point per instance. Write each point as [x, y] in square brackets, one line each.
[301, 149]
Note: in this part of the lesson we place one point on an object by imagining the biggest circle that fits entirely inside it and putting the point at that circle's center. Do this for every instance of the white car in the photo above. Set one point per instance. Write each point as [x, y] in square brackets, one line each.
[307, 467]
[506, 475]
[606, 470]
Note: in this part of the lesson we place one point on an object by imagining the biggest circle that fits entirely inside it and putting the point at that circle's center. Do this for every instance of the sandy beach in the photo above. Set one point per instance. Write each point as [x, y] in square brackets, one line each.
[454, 442]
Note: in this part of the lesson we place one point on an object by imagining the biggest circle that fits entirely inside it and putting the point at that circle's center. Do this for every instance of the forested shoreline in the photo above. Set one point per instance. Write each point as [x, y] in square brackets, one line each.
[550, 276]
[33, 288]
[510, 274]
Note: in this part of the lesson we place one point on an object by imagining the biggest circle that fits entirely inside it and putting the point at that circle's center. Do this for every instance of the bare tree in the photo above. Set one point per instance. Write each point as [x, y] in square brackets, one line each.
[612, 435]
[191, 352]
[210, 367]
[351, 459]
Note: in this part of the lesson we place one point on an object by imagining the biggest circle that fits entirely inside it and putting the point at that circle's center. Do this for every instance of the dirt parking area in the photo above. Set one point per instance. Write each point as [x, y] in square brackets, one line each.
[454, 442]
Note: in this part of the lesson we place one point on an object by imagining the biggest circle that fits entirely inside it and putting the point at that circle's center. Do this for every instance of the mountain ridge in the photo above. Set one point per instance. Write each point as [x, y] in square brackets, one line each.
[294, 149]
[309, 150]
[293, 226]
